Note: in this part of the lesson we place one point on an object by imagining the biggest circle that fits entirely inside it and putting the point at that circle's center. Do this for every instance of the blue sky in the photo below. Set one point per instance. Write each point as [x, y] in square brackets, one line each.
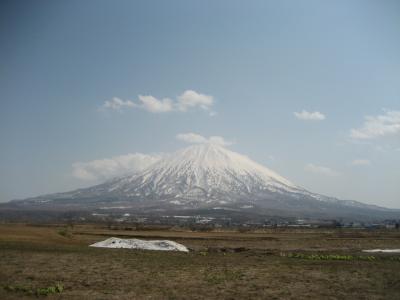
[247, 67]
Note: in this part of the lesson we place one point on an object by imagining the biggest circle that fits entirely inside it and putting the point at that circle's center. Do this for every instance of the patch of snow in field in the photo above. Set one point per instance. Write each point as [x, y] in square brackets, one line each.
[115, 207]
[161, 245]
[383, 250]
[247, 206]
[176, 202]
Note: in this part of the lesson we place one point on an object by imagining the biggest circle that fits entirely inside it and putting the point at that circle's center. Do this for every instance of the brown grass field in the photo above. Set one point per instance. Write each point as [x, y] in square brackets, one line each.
[55, 262]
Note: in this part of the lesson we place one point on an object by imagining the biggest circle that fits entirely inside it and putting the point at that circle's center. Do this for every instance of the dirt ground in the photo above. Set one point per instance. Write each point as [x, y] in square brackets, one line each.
[55, 262]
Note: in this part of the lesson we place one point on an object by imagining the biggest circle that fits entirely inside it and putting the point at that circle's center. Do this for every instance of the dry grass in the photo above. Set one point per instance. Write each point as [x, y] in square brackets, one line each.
[37, 257]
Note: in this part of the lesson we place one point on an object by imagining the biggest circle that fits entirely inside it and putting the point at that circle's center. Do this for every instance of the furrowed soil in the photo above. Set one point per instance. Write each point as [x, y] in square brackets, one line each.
[263, 264]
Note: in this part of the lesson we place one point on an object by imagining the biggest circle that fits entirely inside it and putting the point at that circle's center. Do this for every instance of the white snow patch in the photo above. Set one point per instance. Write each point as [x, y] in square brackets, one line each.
[43, 201]
[177, 202]
[115, 207]
[224, 208]
[382, 251]
[247, 206]
[161, 245]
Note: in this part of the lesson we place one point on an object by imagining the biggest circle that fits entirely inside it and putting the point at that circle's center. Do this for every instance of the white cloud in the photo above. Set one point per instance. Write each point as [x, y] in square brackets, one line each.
[219, 141]
[117, 104]
[191, 99]
[191, 138]
[309, 116]
[361, 162]
[378, 126]
[152, 104]
[320, 170]
[104, 169]
[188, 100]
[194, 138]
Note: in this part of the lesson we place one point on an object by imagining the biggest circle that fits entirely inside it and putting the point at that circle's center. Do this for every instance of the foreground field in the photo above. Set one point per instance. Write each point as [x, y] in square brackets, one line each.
[55, 262]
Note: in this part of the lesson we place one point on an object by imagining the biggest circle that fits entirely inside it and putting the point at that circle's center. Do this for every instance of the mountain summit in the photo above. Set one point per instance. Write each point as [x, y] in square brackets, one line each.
[206, 177]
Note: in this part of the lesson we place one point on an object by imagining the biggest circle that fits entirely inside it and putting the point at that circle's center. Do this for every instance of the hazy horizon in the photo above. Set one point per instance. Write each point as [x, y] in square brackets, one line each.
[91, 90]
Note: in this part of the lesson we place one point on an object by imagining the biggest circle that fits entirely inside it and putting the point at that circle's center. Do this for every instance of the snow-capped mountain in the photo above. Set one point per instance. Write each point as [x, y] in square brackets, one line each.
[205, 176]
[202, 173]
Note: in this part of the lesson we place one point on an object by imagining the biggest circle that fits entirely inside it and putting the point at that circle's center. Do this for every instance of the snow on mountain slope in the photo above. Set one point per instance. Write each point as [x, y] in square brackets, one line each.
[205, 172]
